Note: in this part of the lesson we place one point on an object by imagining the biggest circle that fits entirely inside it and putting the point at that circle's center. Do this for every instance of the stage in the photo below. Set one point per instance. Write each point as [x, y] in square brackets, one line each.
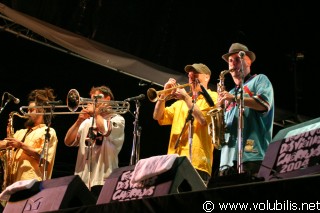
[289, 179]
[285, 194]
[299, 193]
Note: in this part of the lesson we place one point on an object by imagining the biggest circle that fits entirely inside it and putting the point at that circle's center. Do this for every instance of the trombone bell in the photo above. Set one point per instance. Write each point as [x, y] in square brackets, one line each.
[73, 100]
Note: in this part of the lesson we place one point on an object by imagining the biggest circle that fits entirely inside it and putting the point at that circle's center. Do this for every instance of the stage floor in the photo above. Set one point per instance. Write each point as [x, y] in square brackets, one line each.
[299, 193]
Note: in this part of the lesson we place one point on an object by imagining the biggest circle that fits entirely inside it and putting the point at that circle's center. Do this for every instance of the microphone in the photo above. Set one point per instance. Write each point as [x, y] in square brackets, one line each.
[241, 54]
[100, 96]
[206, 95]
[54, 102]
[136, 98]
[11, 97]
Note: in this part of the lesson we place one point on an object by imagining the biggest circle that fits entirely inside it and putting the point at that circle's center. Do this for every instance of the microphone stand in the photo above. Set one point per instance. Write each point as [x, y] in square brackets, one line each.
[44, 154]
[89, 141]
[191, 128]
[240, 123]
[5, 104]
[135, 153]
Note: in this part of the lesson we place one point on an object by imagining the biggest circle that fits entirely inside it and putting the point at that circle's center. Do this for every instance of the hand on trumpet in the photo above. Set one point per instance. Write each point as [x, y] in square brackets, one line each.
[175, 93]
[180, 94]
[170, 84]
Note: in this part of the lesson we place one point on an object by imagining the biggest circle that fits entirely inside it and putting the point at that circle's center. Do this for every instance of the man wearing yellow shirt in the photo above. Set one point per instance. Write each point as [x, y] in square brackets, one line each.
[188, 119]
[28, 158]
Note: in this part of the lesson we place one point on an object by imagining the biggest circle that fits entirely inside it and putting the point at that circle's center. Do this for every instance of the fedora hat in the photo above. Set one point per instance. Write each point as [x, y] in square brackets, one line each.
[199, 68]
[237, 47]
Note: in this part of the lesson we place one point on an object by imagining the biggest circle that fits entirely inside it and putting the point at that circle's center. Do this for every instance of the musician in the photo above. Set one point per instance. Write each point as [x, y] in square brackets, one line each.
[187, 116]
[28, 145]
[258, 114]
[99, 142]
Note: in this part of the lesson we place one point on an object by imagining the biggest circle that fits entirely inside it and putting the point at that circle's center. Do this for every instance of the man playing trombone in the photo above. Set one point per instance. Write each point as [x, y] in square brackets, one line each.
[188, 118]
[99, 134]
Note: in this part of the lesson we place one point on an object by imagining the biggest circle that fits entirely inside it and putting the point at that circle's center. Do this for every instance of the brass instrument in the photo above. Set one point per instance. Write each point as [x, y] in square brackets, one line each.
[7, 155]
[153, 95]
[74, 101]
[217, 126]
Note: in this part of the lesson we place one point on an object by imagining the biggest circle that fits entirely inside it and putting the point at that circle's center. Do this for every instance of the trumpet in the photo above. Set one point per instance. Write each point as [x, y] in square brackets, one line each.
[154, 95]
[74, 101]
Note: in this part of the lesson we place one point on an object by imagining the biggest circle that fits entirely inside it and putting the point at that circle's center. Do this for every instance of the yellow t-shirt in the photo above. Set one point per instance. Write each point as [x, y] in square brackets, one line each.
[25, 167]
[202, 146]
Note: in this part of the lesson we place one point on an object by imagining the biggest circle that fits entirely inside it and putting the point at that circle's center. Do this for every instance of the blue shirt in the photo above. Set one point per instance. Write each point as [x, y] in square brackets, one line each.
[257, 125]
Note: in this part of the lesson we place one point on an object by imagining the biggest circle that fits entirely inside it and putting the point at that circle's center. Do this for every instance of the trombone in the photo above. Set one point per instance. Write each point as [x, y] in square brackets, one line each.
[154, 95]
[74, 101]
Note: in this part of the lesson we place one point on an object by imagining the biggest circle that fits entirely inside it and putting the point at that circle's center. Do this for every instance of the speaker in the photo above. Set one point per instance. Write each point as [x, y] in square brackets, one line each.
[50, 195]
[182, 177]
[294, 151]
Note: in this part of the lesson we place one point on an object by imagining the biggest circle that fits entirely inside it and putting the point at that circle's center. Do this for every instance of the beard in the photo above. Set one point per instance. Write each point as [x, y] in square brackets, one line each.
[29, 123]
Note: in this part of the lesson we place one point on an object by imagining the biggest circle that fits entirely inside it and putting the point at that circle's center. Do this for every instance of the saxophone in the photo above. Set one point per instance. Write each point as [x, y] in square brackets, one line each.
[7, 155]
[217, 126]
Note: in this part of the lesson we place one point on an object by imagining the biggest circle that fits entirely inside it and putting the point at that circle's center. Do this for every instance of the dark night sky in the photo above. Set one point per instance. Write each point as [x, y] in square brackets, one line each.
[172, 34]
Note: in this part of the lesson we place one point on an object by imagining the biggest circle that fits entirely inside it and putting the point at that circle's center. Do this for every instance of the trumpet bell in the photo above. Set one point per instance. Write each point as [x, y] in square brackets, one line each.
[152, 94]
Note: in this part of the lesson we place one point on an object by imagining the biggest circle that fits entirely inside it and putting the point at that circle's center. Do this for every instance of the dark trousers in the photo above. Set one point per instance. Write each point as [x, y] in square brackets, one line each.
[250, 167]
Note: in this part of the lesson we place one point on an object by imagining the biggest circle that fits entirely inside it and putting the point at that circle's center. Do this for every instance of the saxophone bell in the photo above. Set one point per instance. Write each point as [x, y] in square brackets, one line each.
[217, 126]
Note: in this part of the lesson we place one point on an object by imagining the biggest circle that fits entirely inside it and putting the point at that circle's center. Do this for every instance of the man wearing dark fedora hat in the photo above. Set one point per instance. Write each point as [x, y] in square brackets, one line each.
[254, 94]
[200, 148]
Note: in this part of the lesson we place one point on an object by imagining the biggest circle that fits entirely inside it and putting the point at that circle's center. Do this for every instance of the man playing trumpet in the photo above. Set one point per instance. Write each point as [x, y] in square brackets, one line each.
[192, 138]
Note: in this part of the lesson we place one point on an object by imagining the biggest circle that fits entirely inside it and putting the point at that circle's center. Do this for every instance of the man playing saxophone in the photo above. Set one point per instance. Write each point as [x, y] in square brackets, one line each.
[257, 113]
[27, 144]
[177, 114]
